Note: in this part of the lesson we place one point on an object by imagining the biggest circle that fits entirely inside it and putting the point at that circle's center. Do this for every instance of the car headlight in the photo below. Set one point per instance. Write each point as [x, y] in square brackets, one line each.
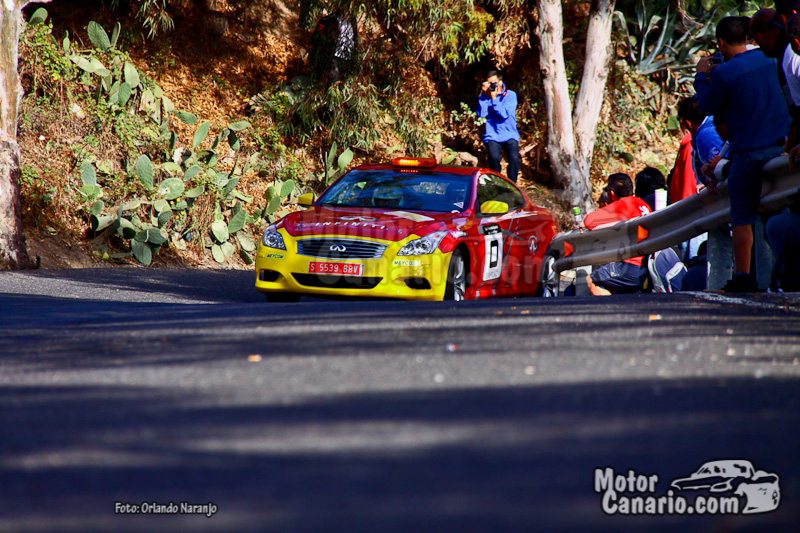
[273, 239]
[423, 245]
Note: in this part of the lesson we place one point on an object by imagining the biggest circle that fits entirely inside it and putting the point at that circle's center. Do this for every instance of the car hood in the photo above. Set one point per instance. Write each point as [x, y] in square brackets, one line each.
[387, 224]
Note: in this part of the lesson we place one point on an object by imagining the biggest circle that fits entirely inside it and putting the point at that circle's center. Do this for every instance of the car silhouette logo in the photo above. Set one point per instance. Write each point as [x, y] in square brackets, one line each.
[338, 248]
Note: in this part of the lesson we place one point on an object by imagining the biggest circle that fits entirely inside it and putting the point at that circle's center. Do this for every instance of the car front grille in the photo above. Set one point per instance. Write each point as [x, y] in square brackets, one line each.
[340, 248]
[336, 282]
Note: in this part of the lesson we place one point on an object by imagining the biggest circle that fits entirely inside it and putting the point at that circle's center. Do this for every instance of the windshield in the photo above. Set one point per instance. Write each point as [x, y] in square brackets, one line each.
[390, 189]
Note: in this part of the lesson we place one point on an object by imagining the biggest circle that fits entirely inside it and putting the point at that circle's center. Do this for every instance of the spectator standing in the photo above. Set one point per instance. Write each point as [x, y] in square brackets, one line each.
[617, 203]
[793, 35]
[745, 89]
[498, 105]
[767, 28]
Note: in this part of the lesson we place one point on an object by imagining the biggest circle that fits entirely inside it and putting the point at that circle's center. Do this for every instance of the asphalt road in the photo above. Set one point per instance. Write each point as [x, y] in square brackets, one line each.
[124, 386]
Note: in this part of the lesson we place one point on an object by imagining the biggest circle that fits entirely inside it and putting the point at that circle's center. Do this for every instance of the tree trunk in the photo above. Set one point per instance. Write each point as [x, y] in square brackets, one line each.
[13, 252]
[570, 138]
[589, 100]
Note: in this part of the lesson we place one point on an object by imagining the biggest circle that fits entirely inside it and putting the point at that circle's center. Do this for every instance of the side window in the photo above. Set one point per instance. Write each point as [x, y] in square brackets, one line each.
[494, 188]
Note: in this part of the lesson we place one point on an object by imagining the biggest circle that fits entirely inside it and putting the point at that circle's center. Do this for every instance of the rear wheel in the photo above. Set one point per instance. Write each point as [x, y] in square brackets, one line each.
[282, 297]
[456, 288]
[548, 277]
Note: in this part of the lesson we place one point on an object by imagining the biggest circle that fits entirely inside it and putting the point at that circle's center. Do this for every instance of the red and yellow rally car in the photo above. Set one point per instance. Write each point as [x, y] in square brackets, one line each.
[411, 229]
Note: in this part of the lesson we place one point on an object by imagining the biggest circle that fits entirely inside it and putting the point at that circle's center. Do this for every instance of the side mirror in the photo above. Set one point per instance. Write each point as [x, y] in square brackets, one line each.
[493, 207]
[306, 199]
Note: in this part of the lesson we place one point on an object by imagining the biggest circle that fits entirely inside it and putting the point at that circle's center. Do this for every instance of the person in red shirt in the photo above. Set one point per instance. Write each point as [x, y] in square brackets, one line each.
[617, 203]
[683, 183]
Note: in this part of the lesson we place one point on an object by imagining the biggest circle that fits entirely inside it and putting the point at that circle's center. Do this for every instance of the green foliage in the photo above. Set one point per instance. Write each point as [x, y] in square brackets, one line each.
[402, 35]
[276, 194]
[144, 193]
[467, 42]
[171, 190]
[426, 26]
[153, 14]
[334, 166]
[349, 112]
[659, 37]
[43, 59]
[119, 86]
[466, 114]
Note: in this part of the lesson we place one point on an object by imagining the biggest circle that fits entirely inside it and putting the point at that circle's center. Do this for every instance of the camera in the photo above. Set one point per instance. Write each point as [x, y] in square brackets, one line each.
[493, 86]
[716, 59]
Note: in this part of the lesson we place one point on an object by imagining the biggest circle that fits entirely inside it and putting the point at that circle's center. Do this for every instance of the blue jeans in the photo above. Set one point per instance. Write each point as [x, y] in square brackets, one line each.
[783, 235]
[744, 183]
[620, 277]
[511, 147]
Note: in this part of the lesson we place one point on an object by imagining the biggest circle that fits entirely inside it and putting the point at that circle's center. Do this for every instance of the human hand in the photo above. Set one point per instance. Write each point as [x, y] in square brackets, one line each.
[485, 88]
[708, 169]
[705, 66]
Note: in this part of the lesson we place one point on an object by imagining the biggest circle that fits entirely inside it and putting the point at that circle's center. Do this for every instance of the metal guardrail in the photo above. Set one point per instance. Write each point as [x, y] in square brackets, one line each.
[673, 225]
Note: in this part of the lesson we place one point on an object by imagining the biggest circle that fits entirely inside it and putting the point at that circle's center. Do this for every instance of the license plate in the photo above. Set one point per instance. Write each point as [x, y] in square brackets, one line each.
[345, 269]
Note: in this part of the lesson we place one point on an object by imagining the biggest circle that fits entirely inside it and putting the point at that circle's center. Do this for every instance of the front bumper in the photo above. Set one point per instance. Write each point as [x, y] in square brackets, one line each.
[416, 277]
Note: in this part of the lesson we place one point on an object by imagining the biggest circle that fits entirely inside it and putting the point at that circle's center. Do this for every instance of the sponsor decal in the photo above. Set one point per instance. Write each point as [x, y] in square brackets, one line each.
[338, 224]
[416, 217]
[493, 262]
[407, 262]
[727, 486]
[274, 256]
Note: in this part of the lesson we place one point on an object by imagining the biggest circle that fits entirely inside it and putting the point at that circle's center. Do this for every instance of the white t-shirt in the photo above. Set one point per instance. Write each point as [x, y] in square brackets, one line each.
[791, 68]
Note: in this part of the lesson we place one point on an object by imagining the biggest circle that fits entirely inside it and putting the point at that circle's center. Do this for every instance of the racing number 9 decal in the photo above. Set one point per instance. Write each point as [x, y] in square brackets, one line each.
[493, 244]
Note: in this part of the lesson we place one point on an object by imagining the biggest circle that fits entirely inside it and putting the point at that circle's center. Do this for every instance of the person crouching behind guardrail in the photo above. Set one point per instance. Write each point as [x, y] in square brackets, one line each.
[746, 91]
[617, 203]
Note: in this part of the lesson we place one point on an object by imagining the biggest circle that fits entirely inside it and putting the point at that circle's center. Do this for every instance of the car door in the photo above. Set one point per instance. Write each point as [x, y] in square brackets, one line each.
[498, 249]
[512, 239]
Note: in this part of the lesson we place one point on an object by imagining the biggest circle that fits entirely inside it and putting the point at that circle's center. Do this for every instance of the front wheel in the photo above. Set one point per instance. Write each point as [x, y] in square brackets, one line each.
[456, 288]
[548, 277]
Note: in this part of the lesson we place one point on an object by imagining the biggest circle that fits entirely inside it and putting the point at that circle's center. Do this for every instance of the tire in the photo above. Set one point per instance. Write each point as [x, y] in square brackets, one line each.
[548, 277]
[456, 288]
[277, 297]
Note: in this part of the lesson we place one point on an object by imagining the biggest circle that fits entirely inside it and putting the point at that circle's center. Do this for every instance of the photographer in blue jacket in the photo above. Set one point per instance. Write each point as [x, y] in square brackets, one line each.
[498, 105]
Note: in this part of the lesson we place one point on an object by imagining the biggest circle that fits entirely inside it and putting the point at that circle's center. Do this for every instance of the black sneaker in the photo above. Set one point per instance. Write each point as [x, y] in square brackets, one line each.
[741, 283]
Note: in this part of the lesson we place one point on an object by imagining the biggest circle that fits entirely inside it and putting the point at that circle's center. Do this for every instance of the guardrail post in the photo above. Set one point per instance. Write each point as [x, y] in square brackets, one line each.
[720, 257]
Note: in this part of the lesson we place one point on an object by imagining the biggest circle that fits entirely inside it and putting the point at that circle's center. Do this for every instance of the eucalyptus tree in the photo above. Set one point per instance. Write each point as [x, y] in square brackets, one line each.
[571, 130]
[13, 252]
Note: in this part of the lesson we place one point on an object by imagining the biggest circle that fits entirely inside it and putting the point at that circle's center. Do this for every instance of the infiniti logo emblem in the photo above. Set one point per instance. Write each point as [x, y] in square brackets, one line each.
[338, 248]
[362, 219]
